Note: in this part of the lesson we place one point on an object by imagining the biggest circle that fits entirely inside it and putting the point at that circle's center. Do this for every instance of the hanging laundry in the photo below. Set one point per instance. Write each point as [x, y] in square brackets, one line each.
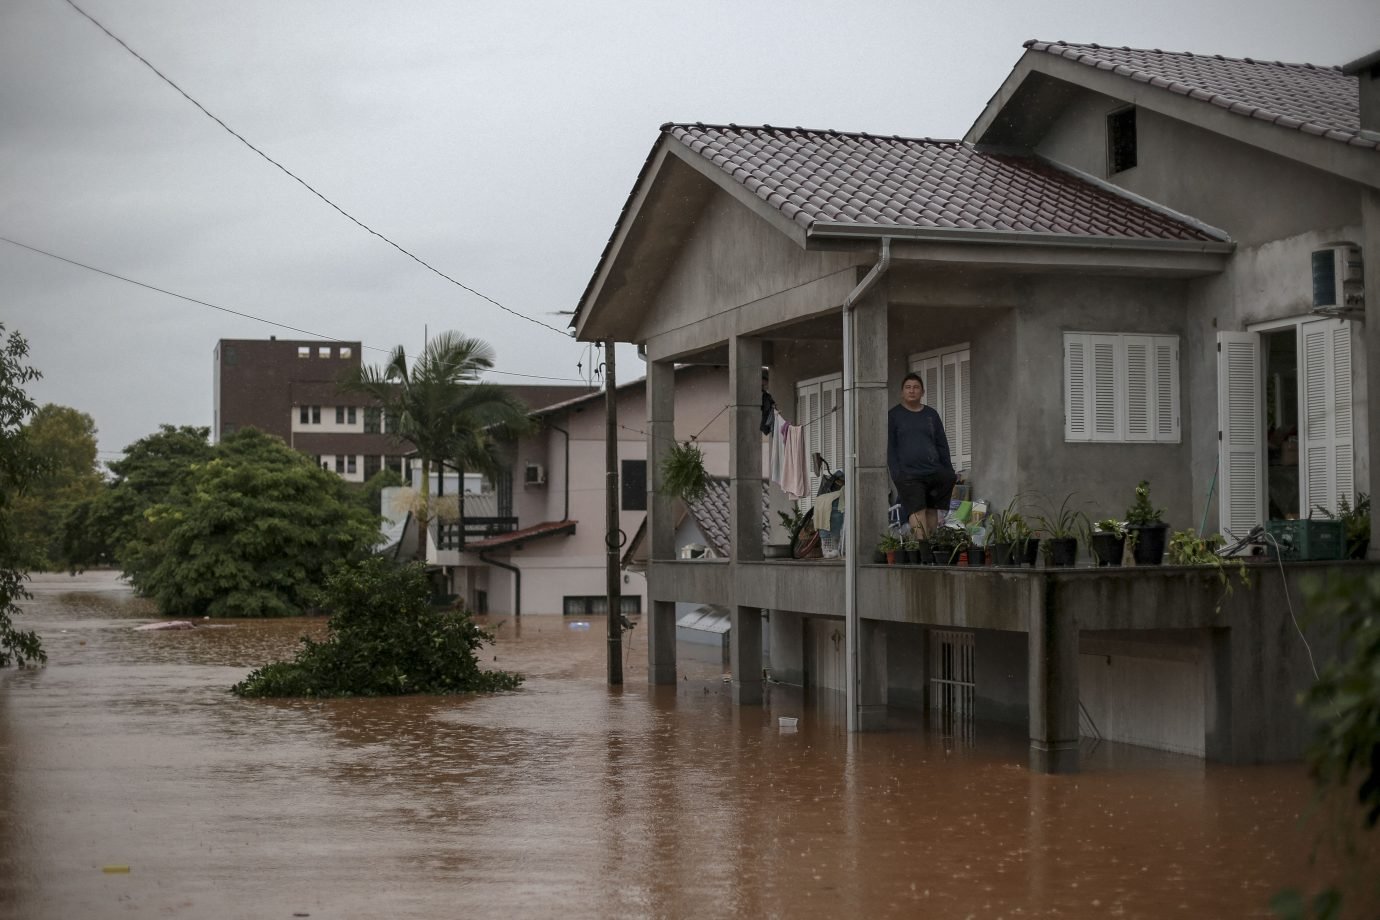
[795, 482]
[776, 448]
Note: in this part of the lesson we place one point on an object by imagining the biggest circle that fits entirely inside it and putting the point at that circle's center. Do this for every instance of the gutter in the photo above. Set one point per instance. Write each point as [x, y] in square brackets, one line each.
[517, 581]
[821, 230]
[852, 538]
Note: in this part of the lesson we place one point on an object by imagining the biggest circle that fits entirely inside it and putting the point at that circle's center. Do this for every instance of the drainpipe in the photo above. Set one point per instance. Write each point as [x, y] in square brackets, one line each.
[517, 581]
[565, 516]
[853, 538]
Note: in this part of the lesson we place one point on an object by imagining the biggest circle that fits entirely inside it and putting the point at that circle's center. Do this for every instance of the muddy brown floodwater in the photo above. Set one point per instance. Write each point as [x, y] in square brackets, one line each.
[567, 799]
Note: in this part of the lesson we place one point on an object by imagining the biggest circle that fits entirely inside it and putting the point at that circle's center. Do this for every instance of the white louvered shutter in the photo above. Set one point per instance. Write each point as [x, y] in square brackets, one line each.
[929, 370]
[1106, 388]
[1139, 386]
[1165, 393]
[962, 447]
[807, 416]
[1326, 439]
[831, 423]
[1077, 424]
[1241, 462]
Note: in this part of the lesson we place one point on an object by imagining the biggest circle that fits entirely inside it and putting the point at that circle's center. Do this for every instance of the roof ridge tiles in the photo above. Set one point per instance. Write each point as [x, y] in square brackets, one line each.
[1042, 45]
[831, 132]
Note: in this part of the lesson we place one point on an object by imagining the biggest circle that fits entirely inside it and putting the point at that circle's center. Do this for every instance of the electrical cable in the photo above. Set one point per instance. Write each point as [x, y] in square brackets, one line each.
[259, 319]
[1279, 558]
[306, 185]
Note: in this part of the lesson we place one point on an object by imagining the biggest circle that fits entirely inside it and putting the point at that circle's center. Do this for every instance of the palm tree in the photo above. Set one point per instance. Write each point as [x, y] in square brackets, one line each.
[440, 405]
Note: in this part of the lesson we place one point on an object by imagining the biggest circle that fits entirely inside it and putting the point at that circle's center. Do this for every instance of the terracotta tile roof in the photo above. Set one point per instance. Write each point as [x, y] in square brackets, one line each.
[1322, 101]
[865, 180]
[710, 512]
[535, 532]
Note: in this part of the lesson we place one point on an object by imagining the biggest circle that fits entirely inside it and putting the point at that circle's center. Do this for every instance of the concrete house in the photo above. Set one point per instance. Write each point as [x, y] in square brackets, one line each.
[534, 543]
[1136, 265]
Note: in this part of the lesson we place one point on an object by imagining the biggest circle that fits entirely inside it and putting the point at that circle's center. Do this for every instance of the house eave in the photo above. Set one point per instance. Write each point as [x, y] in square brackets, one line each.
[821, 231]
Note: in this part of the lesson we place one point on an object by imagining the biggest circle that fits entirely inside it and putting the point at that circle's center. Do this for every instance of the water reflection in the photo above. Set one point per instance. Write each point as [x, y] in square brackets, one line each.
[568, 799]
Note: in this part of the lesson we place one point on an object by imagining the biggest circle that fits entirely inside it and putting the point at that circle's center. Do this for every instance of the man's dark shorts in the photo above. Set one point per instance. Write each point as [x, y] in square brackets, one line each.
[933, 491]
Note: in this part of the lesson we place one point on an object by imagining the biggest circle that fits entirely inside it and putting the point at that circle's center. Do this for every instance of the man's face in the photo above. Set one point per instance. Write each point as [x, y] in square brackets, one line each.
[912, 392]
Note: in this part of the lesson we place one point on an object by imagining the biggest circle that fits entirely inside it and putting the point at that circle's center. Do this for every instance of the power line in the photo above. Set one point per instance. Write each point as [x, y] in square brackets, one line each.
[306, 185]
[259, 319]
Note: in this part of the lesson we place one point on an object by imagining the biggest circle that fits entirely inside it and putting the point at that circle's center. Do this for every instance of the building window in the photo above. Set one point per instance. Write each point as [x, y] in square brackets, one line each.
[227, 429]
[304, 414]
[340, 415]
[372, 465]
[596, 605]
[229, 356]
[394, 463]
[373, 419]
[303, 351]
[818, 404]
[1121, 140]
[391, 423]
[946, 374]
[346, 351]
[1121, 388]
[350, 415]
[350, 464]
[340, 463]
[316, 415]
[634, 485]
[323, 352]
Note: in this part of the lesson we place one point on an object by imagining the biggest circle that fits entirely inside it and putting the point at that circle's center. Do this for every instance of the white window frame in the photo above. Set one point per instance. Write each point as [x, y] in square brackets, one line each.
[1121, 388]
[947, 373]
[819, 410]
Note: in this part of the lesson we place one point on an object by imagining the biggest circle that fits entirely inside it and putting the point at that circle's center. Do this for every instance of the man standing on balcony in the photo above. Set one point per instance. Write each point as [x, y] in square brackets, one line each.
[917, 451]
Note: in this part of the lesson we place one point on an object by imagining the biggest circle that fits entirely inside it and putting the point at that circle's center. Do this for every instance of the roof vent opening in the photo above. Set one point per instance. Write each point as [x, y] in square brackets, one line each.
[1339, 281]
[1121, 140]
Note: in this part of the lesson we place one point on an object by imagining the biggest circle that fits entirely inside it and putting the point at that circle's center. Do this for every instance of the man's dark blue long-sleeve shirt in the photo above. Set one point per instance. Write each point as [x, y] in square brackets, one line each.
[916, 446]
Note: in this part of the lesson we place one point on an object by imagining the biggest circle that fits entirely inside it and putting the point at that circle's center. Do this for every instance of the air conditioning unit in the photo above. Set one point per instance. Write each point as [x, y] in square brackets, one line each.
[1338, 282]
[535, 475]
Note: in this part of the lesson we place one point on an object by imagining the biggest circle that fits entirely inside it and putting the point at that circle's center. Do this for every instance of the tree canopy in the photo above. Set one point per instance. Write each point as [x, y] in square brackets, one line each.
[384, 639]
[64, 440]
[20, 467]
[249, 532]
[444, 410]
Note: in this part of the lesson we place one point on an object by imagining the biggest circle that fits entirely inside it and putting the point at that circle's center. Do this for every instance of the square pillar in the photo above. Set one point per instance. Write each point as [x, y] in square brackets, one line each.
[1370, 260]
[745, 655]
[872, 398]
[1053, 651]
[745, 447]
[661, 435]
[872, 676]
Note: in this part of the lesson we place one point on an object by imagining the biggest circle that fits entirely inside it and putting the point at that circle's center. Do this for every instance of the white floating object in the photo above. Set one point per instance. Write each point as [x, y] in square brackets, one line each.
[787, 721]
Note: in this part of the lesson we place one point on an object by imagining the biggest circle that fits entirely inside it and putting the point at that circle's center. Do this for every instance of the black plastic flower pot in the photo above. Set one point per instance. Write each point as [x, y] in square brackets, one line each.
[909, 556]
[1002, 554]
[926, 554]
[1032, 551]
[1150, 539]
[1063, 551]
[977, 556]
[1107, 548]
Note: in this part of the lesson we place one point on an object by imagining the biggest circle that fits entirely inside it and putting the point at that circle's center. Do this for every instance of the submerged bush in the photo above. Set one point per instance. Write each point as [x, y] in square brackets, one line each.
[385, 639]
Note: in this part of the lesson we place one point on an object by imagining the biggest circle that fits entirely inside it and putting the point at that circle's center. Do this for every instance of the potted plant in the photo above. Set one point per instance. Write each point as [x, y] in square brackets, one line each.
[1355, 524]
[888, 546]
[1107, 540]
[1186, 547]
[791, 521]
[1061, 529]
[1146, 527]
[977, 545]
[683, 474]
[947, 542]
[1007, 526]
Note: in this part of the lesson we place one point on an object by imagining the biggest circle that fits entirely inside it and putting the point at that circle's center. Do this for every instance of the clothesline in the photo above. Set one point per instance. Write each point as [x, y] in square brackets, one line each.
[696, 435]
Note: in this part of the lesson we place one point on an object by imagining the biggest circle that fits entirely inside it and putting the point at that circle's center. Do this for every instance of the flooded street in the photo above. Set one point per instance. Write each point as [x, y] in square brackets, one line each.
[566, 799]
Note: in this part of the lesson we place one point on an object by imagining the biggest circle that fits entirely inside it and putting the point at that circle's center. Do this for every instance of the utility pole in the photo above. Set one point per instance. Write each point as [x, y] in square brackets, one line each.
[613, 536]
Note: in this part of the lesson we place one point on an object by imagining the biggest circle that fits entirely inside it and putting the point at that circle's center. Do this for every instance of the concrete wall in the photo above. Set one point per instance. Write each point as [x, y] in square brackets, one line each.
[1000, 660]
[1151, 691]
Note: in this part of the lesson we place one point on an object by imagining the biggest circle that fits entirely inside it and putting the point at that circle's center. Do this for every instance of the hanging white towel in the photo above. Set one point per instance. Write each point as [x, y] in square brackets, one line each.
[795, 482]
[776, 442]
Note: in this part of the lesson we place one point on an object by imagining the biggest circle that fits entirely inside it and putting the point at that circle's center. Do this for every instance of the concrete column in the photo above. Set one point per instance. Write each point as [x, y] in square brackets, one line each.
[872, 676]
[787, 633]
[1053, 651]
[745, 447]
[661, 434]
[745, 655]
[1370, 256]
[872, 398]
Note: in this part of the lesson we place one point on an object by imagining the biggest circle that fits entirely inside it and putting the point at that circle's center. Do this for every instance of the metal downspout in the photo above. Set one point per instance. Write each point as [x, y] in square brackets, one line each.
[517, 581]
[565, 515]
[853, 536]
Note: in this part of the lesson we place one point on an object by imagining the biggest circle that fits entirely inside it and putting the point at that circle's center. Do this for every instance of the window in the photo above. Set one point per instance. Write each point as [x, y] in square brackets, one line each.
[947, 374]
[340, 415]
[818, 409]
[316, 415]
[1121, 388]
[1121, 140]
[346, 351]
[229, 356]
[350, 415]
[303, 351]
[350, 464]
[372, 465]
[634, 485]
[373, 420]
[394, 463]
[227, 429]
[340, 463]
[323, 352]
[391, 422]
[304, 414]
[597, 605]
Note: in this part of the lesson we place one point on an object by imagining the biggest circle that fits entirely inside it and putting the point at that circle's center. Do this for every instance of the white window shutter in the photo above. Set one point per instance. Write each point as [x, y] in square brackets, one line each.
[948, 401]
[831, 424]
[1106, 388]
[1077, 386]
[807, 415]
[1166, 388]
[929, 370]
[1326, 440]
[1241, 443]
[962, 447]
[1139, 387]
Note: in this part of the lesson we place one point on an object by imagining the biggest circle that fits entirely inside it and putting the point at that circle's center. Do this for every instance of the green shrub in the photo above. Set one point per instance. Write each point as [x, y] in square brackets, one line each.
[384, 639]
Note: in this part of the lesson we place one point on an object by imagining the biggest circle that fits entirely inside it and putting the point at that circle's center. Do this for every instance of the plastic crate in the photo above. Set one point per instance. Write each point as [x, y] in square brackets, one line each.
[1303, 541]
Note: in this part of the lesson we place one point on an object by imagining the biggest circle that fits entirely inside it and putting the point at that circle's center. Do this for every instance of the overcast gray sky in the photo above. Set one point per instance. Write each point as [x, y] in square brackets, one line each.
[497, 141]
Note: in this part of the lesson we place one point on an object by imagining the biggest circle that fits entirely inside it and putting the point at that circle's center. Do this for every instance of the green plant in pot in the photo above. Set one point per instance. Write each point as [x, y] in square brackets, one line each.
[888, 547]
[1107, 540]
[978, 535]
[1061, 527]
[911, 548]
[682, 472]
[1005, 527]
[1355, 524]
[1146, 527]
[947, 542]
[1186, 547]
